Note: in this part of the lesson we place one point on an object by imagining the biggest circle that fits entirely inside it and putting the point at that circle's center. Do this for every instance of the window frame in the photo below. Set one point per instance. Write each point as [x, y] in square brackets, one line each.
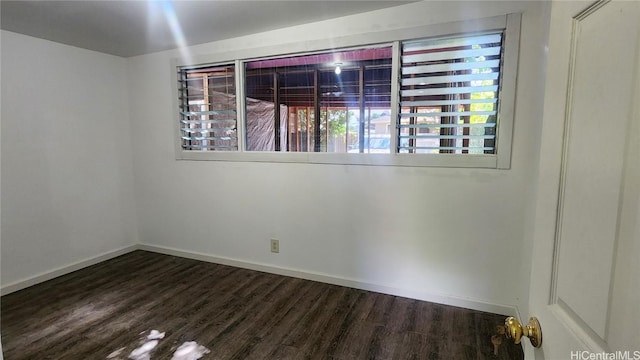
[183, 79]
[502, 160]
[380, 45]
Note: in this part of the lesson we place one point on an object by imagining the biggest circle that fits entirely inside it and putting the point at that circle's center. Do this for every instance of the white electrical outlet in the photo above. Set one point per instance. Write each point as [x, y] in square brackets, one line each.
[275, 246]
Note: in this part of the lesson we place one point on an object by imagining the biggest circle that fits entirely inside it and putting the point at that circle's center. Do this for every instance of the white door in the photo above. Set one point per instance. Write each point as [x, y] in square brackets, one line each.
[585, 283]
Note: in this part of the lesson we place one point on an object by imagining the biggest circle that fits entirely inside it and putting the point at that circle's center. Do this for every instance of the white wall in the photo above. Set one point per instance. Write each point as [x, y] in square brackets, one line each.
[460, 233]
[1, 352]
[67, 175]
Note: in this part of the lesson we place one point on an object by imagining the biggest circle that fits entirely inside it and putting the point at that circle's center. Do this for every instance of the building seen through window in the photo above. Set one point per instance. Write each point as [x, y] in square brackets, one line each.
[329, 102]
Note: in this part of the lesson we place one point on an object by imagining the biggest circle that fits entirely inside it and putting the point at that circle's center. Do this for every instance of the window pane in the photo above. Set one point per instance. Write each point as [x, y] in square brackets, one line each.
[349, 91]
[208, 108]
[449, 94]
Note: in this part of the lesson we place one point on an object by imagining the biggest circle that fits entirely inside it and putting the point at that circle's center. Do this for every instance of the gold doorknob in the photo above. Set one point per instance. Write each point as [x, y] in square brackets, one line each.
[515, 331]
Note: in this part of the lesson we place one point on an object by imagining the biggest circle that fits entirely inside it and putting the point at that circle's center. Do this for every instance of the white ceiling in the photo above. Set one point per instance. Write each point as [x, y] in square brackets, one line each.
[129, 28]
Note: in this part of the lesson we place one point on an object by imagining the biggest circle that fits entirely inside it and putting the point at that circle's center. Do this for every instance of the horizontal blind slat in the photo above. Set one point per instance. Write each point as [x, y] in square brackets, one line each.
[436, 137]
[448, 102]
[448, 90]
[426, 126]
[421, 69]
[429, 80]
[209, 112]
[200, 78]
[200, 97]
[201, 138]
[451, 55]
[446, 147]
[209, 130]
[447, 113]
[216, 147]
[206, 122]
[429, 44]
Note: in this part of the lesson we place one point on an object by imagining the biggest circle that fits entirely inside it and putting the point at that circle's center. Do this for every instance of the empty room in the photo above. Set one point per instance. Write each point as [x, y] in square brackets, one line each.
[320, 179]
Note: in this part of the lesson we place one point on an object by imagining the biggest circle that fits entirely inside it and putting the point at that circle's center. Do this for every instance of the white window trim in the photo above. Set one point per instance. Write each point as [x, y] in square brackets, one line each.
[501, 160]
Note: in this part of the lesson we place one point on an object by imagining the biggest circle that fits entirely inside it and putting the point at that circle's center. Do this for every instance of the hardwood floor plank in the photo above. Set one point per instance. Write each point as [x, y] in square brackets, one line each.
[110, 308]
[333, 330]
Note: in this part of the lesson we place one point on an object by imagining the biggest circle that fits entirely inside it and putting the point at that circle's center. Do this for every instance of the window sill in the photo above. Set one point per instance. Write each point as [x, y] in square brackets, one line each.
[410, 160]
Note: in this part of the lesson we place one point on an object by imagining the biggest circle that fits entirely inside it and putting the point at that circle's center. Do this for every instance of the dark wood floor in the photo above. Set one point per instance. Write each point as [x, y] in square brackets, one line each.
[106, 310]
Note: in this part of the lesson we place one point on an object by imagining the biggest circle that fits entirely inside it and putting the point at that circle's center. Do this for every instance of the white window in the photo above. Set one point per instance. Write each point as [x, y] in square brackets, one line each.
[440, 95]
[207, 98]
[449, 94]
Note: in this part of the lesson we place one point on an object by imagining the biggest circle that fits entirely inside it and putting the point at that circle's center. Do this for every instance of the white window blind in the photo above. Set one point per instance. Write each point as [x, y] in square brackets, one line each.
[208, 120]
[449, 94]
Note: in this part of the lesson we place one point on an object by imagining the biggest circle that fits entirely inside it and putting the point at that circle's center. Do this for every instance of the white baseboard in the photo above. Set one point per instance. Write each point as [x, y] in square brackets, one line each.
[468, 303]
[19, 285]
